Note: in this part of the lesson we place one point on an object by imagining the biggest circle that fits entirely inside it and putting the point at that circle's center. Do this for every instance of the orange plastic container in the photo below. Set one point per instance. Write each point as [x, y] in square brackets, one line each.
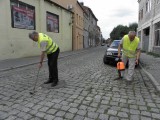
[120, 66]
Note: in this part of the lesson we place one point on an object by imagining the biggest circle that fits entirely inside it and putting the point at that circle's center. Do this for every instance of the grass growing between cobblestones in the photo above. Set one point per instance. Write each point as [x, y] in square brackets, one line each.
[148, 108]
[89, 89]
[153, 54]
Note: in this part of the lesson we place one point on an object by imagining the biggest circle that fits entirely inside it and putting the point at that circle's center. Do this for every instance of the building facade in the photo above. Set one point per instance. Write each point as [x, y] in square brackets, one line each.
[149, 25]
[77, 21]
[86, 26]
[98, 38]
[23, 16]
[92, 27]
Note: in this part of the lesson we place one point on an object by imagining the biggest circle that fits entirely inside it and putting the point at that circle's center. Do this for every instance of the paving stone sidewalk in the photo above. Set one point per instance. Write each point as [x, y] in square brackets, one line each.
[21, 62]
[151, 66]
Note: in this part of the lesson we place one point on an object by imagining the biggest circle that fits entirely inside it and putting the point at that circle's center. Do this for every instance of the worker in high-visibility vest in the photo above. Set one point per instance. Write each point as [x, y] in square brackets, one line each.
[52, 50]
[131, 53]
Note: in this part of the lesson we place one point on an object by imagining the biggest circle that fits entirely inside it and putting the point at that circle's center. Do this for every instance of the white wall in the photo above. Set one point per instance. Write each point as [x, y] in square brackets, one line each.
[15, 42]
[64, 37]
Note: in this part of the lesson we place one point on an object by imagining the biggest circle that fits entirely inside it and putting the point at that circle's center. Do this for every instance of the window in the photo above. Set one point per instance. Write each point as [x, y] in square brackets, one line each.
[148, 6]
[140, 15]
[81, 22]
[23, 15]
[52, 22]
[157, 37]
[77, 19]
[158, 1]
[94, 22]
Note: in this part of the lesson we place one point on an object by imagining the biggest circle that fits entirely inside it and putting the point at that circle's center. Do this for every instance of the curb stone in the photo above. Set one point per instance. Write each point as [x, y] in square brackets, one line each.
[155, 83]
[33, 63]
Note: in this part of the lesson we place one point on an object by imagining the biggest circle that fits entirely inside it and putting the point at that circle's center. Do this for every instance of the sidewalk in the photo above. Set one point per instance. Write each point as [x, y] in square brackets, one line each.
[21, 62]
[151, 66]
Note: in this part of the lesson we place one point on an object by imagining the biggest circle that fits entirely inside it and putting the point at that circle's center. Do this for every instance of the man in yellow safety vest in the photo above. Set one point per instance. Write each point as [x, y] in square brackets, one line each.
[52, 50]
[131, 53]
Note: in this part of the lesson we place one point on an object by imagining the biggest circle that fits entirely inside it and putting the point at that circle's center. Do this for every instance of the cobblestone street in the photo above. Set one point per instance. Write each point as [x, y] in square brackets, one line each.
[86, 91]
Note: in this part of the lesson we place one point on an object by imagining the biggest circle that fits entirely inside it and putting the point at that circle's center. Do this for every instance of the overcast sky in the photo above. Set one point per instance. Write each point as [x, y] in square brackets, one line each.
[111, 13]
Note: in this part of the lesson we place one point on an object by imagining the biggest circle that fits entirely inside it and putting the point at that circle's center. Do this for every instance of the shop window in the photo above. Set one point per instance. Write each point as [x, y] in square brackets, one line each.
[157, 37]
[22, 15]
[146, 31]
[52, 22]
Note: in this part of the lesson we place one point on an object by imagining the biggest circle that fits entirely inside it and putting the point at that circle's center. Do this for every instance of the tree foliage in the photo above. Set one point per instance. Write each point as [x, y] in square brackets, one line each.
[119, 31]
[133, 27]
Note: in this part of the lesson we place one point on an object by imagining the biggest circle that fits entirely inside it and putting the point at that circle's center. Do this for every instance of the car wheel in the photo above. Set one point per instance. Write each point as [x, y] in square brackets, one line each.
[105, 61]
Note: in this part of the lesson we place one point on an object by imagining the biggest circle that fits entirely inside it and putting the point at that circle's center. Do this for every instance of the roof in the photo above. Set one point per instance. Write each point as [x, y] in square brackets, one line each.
[91, 12]
[80, 5]
[139, 1]
[85, 10]
[58, 5]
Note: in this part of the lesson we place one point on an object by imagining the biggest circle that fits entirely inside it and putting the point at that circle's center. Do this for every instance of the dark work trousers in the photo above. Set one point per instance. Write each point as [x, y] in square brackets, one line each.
[52, 66]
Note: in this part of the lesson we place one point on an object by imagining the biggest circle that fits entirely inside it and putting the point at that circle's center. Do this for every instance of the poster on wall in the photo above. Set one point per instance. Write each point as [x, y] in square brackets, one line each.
[23, 18]
[52, 23]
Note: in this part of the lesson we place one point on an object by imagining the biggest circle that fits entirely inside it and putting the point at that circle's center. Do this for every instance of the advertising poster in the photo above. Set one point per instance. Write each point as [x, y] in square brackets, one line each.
[23, 18]
[52, 23]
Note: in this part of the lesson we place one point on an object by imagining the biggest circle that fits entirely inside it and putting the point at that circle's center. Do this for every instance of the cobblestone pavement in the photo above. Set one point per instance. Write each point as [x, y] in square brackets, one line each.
[86, 91]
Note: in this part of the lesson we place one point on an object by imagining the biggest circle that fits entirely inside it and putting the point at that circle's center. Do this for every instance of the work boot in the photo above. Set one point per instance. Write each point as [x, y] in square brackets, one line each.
[49, 81]
[118, 78]
[53, 84]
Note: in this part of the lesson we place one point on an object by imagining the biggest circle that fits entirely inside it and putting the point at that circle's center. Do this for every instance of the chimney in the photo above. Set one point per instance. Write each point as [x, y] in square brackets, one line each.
[82, 3]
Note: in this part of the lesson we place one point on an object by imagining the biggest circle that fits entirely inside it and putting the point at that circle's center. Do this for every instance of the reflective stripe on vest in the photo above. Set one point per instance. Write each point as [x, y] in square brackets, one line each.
[54, 49]
[51, 46]
[129, 47]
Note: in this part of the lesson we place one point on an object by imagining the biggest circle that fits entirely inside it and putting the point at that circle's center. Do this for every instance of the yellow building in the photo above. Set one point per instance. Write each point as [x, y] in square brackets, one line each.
[18, 18]
[76, 8]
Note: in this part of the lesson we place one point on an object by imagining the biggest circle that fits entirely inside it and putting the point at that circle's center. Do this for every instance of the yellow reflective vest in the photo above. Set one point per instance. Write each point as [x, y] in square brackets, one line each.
[51, 46]
[130, 47]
